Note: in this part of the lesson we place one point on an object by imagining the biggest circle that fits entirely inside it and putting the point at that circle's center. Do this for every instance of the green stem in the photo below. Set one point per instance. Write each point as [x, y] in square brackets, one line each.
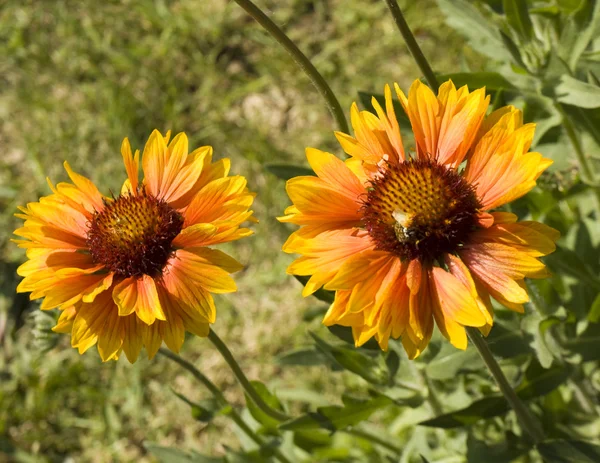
[374, 439]
[216, 392]
[412, 44]
[301, 60]
[243, 380]
[526, 419]
[260, 403]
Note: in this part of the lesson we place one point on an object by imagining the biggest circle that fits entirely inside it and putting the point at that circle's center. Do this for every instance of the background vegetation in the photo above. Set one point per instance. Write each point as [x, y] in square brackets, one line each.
[78, 76]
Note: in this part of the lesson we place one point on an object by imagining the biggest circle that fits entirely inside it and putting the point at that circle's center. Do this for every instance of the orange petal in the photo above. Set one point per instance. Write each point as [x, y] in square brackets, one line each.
[335, 172]
[455, 299]
[132, 164]
[87, 187]
[139, 295]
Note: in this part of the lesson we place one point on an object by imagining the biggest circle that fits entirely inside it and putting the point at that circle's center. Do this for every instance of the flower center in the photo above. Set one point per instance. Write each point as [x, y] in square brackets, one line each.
[420, 209]
[132, 236]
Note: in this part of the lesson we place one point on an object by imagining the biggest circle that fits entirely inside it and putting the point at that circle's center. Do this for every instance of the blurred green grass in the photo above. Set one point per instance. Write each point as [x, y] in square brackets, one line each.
[78, 76]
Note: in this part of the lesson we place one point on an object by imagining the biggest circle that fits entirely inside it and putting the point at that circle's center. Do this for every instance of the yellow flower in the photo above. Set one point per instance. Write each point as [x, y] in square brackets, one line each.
[136, 270]
[406, 239]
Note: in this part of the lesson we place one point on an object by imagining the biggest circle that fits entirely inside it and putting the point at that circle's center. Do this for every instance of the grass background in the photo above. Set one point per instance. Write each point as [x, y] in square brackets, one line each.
[76, 77]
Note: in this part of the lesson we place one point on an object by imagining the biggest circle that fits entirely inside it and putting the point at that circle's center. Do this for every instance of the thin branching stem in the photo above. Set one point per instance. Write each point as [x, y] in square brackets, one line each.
[243, 380]
[526, 419]
[217, 394]
[301, 60]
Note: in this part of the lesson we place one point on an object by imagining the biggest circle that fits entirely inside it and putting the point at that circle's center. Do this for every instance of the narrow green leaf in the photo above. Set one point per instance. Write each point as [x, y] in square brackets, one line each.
[578, 31]
[540, 381]
[205, 410]
[288, 171]
[451, 361]
[577, 93]
[480, 409]
[369, 367]
[569, 451]
[518, 18]
[310, 440]
[566, 261]
[506, 343]
[585, 344]
[307, 356]
[537, 382]
[481, 33]
[507, 450]
[594, 313]
[336, 417]
[269, 423]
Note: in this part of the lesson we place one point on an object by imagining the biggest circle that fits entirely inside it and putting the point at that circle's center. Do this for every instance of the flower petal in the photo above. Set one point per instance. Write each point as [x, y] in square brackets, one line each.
[139, 295]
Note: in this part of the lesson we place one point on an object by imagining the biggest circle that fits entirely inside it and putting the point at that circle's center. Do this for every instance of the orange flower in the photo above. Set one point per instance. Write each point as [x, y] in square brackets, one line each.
[406, 239]
[136, 270]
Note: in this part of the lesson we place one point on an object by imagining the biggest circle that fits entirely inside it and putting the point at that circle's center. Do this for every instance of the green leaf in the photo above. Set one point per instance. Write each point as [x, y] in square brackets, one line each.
[518, 18]
[509, 449]
[482, 408]
[569, 451]
[336, 417]
[288, 171]
[492, 81]
[564, 260]
[451, 361]
[308, 356]
[310, 440]
[537, 382]
[269, 423]
[540, 381]
[577, 93]
[585, 344]
[481, 33]
[579, 29]
[594, 313]
[506, 342]
[204, 410]
[371, 368]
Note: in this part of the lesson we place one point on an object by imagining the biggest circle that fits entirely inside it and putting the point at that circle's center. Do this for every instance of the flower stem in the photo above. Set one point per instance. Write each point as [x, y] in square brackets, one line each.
[412, 44]
[526, 419]
[243, 380]
[266, 408]
[301, 60]
[216, 392]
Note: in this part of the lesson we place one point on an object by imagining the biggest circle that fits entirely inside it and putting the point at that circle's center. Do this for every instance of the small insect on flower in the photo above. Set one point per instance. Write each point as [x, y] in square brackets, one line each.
[408, 238]
[136, 270]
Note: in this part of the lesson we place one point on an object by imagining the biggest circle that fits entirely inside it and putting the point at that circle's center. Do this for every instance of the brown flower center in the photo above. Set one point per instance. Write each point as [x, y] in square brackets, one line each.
[420, 209]
[132, 236]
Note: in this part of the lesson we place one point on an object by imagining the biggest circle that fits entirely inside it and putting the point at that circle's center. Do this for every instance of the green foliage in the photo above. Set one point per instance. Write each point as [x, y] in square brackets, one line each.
[76, 80]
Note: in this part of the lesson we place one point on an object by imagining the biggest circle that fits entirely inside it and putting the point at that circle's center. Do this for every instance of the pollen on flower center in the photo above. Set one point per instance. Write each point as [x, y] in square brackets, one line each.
[420, 209]
[132, 236]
